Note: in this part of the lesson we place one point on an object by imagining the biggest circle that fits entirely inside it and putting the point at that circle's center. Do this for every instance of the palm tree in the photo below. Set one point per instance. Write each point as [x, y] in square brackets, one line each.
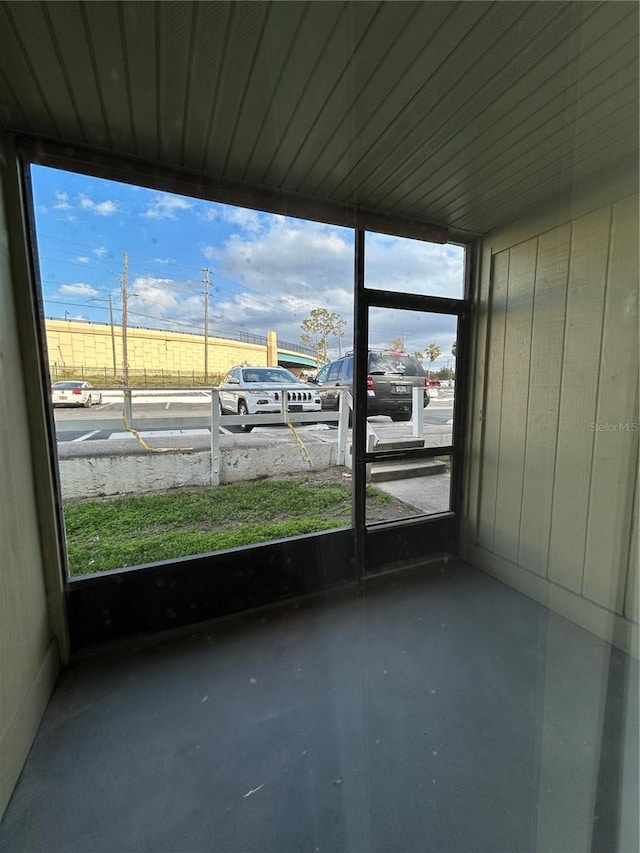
[433, 352]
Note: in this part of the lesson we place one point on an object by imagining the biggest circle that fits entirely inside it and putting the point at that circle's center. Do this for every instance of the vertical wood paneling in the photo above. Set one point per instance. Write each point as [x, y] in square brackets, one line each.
[333, 127]
[103, 26]
[515, 396]
[140, 45]
[466, 102]
[30, 30]
[24, 84]
[204, 80]
[176, 36]
[542, 91]
[11, 112]
[270, 63]
[585, 300]
[307, 50]
[632, 602]
[412, 45]
[416, 92]
[493, 400]
[243, 37]
[552, 269]
[616, 446]
[352, 23]
[76, 59]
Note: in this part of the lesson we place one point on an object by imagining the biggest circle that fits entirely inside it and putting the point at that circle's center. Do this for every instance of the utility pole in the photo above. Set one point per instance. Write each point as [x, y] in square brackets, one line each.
[206, 325]
[113, 337]
[125, 297]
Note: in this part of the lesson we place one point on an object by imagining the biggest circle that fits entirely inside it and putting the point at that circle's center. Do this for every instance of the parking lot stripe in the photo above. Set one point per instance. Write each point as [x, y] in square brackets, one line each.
[86, 435]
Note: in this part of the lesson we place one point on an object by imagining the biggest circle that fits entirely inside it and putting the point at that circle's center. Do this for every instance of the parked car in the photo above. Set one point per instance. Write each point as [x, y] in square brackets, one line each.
[251, 390]
[75, 393]
[391, 376]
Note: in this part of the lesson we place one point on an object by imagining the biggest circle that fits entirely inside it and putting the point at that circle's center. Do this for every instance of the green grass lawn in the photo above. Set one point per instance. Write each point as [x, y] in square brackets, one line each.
[117, 532]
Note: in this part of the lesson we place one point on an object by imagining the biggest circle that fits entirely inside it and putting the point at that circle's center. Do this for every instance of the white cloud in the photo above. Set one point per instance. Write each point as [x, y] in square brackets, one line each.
[100, 208]
[273, 270]
[412, 266]
[293, 266]
[165, 303]
[164, 260]
[165, 206]
[62, 202]
[148, 293]
[248, 220]
[212, 253]
[78, 289]
[210, 213]
[83, 259]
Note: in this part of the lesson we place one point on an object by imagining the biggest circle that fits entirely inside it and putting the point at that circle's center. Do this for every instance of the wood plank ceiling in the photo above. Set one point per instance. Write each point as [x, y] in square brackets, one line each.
[461, 114]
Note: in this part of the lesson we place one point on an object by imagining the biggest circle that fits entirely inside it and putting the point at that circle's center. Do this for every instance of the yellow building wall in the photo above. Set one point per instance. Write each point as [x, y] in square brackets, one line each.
[75, 344]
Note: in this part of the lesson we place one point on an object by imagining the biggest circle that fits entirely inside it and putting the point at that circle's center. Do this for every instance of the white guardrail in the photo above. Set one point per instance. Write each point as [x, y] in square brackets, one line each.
[215, 420]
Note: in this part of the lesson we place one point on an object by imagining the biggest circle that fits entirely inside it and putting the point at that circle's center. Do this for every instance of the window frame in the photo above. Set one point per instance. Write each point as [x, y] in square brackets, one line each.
[114, 604]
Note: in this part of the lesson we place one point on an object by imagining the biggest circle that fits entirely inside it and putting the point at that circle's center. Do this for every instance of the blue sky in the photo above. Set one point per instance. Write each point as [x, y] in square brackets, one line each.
[266, 271]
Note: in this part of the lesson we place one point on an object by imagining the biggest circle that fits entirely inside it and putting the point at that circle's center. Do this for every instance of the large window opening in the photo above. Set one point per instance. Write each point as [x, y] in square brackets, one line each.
[165, 315]
[205, 383]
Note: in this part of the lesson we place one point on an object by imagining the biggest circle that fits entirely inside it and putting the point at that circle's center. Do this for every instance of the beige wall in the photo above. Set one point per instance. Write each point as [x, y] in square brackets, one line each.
[74, 344]
[29, 658]
[552, 499]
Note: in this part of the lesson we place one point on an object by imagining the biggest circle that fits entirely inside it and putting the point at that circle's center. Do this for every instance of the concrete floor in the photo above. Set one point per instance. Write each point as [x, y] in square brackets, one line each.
[432, 710]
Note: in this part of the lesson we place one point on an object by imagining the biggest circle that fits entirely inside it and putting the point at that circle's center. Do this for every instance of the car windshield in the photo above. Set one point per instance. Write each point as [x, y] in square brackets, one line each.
[67, 386]
[268, 374]
[394, 363]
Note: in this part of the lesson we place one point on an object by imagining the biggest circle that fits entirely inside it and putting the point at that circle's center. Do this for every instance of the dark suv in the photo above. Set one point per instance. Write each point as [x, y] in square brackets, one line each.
[390, 378]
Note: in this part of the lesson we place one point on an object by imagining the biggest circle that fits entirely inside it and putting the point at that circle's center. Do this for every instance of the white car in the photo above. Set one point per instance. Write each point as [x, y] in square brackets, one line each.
[251, 390]
[75, 393]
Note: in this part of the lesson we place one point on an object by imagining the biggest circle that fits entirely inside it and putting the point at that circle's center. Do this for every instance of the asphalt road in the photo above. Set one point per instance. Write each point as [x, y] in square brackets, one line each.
[438, 413]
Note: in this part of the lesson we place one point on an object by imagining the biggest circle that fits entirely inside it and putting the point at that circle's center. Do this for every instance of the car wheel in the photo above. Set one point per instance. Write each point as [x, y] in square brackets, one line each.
[243, 410]
[87, 403]
[401, 416]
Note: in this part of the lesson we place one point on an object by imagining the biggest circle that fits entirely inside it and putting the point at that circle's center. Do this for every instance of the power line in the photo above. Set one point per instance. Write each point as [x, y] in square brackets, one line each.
[113, 252]
[259, 296]
[76, 264]
[216, 275]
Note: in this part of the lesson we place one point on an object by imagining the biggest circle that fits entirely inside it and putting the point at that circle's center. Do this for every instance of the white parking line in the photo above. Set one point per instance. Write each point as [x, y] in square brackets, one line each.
[167, 406]
[86, 435]
[150, 435]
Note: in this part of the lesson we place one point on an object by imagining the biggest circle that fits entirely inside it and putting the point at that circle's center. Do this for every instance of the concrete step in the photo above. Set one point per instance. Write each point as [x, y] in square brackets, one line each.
[397, 444]
[400, 444]
[381, 471]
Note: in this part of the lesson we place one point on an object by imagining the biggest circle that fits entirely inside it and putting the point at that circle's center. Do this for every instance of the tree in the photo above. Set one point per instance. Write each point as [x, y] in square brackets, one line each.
[397, 344]
[316, 330]
[339, 324]
[433, 352]
[419, 355]
[454, 347]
